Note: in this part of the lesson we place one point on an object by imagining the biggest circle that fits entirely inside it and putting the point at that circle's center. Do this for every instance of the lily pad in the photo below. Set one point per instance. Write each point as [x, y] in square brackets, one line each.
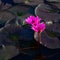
[9, 35]
[14, 37]
[51, 33]
[48, 41]
[46, 13]
[53, 11]
[21, 12]
[5, 16]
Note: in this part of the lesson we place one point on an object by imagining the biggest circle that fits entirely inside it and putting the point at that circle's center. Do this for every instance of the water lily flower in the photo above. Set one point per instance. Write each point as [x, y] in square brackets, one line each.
[32, 20]
[39, 27]
[36, 25]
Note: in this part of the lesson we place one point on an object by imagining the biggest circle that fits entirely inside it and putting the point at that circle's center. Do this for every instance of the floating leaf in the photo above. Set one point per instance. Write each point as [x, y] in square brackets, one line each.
[51, 33]
[14, 37]
[53, 11]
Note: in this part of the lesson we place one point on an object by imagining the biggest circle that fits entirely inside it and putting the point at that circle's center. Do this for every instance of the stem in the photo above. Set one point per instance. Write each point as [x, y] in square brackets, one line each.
[39, 39]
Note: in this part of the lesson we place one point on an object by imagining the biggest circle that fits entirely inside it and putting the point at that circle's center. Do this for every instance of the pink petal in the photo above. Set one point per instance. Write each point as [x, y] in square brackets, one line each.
[38, 19]
[42, 27]
[39, 27]
[28, 20]
[34, 29]
[33, 20]
[35, 23]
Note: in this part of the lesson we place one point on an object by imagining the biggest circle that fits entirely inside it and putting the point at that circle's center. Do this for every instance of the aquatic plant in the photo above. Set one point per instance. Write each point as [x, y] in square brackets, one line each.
[36, 25]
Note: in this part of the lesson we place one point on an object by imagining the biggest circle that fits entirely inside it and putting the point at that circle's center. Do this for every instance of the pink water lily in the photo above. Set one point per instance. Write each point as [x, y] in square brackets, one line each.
[39, 27]
[32, 20]
[36, 25]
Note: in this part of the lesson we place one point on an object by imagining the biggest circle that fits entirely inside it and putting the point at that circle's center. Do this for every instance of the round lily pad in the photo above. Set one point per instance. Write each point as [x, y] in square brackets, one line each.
[46, 13]
[21, 12]
[5, 16]
[9, 35]
[49, 41]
